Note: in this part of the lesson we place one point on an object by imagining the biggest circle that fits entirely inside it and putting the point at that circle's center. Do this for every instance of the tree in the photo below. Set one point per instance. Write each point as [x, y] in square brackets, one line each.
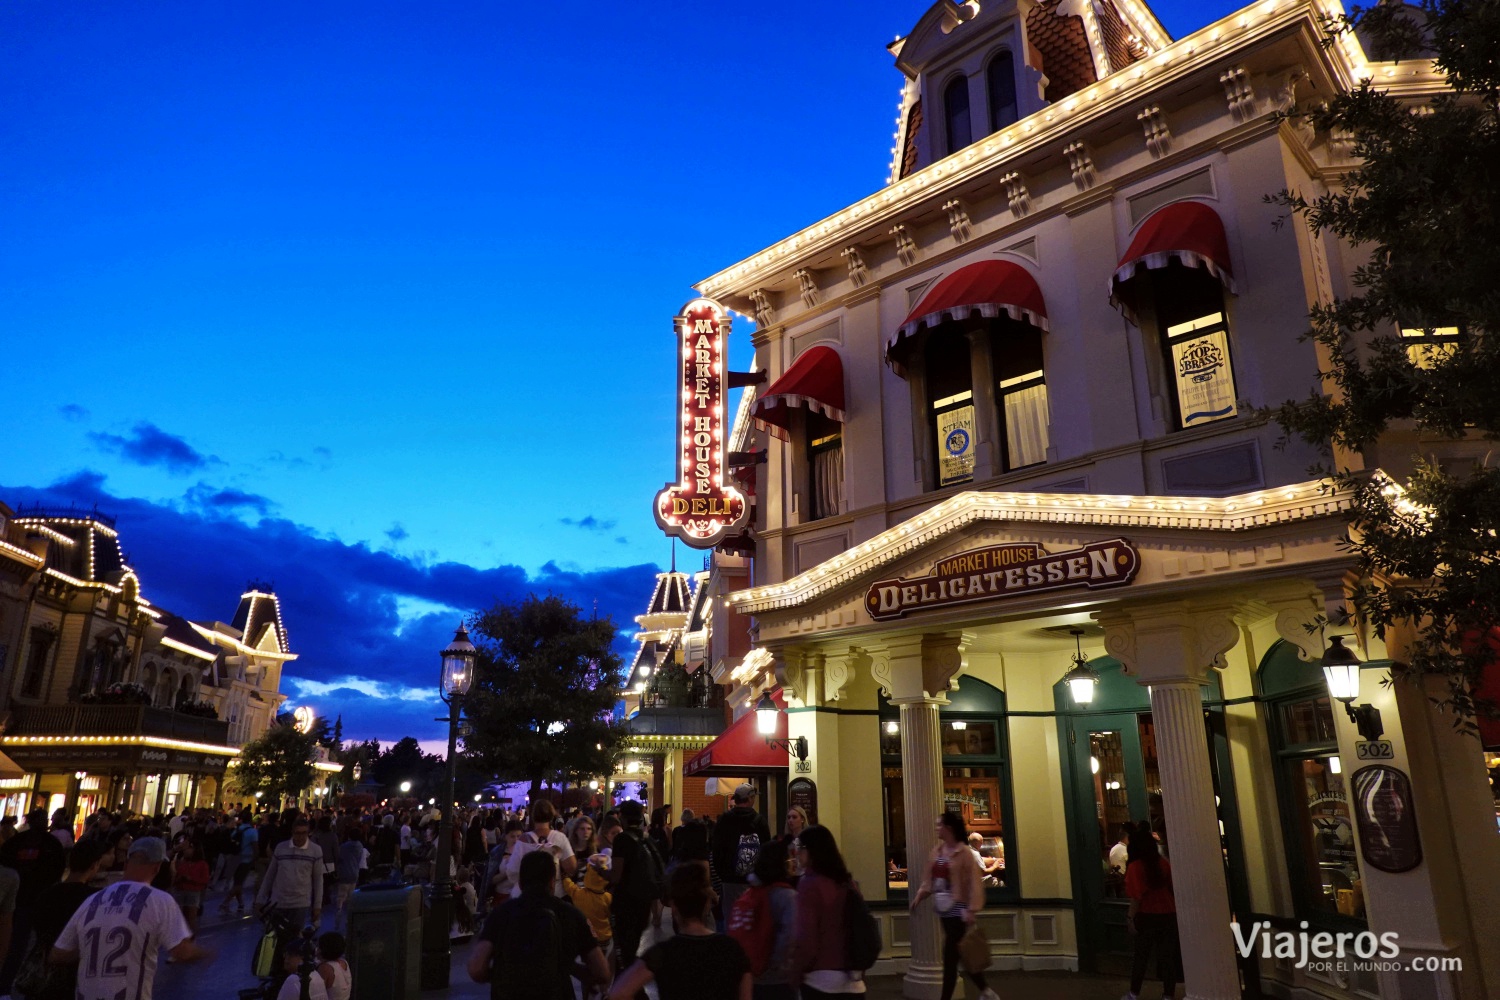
[278, 764]
[1424, 203]
[404, 761]
[545, 683]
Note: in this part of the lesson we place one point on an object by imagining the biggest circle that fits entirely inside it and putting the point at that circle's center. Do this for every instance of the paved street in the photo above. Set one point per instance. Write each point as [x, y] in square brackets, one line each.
[233, 941]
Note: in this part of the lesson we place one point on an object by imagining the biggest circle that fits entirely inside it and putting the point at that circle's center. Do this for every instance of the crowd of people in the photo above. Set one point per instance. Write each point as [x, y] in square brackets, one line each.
[714, 907]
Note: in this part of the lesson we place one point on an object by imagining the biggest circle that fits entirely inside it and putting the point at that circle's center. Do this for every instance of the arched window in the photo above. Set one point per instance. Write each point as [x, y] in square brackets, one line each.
[1001, 81]
[185, 690]
[960, 131]
[1020, 392]
[950, 402]
[162, 697]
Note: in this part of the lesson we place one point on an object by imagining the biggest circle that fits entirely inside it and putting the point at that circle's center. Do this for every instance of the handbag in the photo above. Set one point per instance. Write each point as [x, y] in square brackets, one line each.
[974, 950]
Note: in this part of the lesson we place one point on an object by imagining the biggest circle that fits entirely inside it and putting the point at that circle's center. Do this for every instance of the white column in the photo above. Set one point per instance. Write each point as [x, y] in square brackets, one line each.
[922, 792]
[1193, 842]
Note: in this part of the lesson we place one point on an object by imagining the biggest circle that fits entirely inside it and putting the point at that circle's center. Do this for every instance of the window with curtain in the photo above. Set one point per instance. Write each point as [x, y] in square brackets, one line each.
[825, 457]
[956, 113]
[1000, 79]
[950, 400]
[1021, 391]
[36, 662]
[1195, 338]
[1428, 347]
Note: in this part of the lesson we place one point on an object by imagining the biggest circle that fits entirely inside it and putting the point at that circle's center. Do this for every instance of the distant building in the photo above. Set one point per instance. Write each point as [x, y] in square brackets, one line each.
[108, 700]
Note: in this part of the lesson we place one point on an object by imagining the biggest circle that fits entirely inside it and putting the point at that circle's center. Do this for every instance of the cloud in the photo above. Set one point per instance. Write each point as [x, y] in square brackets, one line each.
[322, 460]
[589, 523]
[148, 444]
[73, 412]
[367, 624]
[397, 533]
[228, 500]
[621, 540]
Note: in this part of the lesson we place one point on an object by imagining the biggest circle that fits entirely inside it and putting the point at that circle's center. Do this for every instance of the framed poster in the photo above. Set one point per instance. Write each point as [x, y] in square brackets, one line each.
[802, 792]
[1387, 820]
[955, 433]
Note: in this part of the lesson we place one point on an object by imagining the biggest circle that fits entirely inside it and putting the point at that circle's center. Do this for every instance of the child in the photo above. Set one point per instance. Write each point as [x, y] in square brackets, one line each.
[593, 899]
[291, 986]
[332, 967]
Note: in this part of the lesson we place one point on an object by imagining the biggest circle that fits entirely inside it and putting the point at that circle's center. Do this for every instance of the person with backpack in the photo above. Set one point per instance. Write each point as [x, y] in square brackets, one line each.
[529, 944]
[1152, 917]
[639, 882]
[696, 963]
[737, 839]
[762, 921]
[833, 946]
[956, 886]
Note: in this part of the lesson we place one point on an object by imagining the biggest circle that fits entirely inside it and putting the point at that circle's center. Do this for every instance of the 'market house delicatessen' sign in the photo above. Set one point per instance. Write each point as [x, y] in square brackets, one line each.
[699, 508]
[1009, 570]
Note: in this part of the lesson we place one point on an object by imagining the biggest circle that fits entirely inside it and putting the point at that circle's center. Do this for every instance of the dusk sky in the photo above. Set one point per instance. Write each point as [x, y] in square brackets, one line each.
[373, 301]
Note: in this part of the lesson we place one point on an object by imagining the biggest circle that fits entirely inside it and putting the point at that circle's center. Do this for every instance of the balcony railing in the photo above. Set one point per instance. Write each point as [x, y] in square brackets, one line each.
[677, 722]
[115, 720]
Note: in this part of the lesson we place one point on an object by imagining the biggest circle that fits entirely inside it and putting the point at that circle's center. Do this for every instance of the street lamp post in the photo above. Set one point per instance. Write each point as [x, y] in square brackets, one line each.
[457, 675]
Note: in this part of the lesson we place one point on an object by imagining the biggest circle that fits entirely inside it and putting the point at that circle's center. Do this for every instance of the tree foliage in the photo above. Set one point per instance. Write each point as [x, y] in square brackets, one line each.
[278, 763]
[1423, 202]
[545, 683]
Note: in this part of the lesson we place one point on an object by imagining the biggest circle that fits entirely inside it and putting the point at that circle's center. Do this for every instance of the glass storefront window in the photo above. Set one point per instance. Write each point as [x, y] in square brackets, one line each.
[1307, 722]
[1323, 831]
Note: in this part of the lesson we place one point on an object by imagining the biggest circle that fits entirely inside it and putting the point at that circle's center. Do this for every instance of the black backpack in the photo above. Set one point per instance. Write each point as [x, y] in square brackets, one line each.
[531, 963]
[645, 875]
[862, 942]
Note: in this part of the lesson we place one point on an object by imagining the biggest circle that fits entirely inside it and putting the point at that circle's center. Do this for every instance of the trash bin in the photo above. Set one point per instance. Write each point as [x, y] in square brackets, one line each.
[385, 942]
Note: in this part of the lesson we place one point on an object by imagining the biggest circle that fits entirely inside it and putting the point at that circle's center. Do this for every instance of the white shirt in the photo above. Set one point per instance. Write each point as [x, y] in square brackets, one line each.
[292, 988]
[117, 933]
[556, 841]
[341, 982]
[1118, 856]
[405, 837]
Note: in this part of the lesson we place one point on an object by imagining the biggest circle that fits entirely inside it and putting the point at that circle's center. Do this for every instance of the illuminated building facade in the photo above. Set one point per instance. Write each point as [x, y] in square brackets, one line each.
[1010, 423]
[108, 700]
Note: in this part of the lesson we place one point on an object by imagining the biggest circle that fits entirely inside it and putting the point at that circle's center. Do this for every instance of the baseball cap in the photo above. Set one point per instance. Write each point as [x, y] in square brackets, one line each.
[149, 850]
[745, 792]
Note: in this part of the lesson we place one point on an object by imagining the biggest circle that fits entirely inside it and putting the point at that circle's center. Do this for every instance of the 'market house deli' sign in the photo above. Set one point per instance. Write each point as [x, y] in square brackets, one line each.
[1005, 571]
[699, 508]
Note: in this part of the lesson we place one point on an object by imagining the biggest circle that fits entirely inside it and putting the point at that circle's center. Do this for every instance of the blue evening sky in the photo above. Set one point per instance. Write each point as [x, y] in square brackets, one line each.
[373, 300]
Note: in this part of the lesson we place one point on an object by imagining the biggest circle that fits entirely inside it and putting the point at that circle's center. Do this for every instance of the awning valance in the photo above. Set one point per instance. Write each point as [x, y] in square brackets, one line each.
[987, 288]
[815, 380]
[741, 750]
[1189, 232]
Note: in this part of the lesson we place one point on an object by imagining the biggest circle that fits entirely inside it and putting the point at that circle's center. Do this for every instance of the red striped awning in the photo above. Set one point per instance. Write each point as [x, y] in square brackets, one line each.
[741, 750]
[815, 380]
[1189, 232]
[986, 288]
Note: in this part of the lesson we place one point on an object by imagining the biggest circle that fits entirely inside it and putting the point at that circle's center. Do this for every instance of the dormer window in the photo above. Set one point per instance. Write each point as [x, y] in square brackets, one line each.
[1000, 79]
[960, 129]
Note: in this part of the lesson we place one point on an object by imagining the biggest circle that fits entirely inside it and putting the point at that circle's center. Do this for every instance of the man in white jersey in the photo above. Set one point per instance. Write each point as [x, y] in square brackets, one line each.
[116, 934]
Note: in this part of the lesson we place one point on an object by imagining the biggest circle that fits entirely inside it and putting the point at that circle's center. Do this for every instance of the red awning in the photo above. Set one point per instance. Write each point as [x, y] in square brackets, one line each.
[1186, 231]
[740, 750]
[815, 380]
[986, 288]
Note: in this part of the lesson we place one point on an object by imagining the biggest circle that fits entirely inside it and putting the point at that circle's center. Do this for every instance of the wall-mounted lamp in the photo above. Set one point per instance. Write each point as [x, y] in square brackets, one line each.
[765, 723]
[1341, 671]
[1082, 677]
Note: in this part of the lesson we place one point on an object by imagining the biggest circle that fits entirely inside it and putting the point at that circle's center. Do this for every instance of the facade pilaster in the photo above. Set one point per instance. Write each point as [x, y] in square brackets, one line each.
[1171, 649]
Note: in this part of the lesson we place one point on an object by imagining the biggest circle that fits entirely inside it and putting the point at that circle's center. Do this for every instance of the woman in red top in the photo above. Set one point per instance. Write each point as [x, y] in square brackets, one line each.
[189, 879]
[1153, 914]
[817, 962]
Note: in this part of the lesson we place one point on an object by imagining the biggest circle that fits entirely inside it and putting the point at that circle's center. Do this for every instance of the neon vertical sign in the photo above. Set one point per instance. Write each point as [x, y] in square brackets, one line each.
[699, 508]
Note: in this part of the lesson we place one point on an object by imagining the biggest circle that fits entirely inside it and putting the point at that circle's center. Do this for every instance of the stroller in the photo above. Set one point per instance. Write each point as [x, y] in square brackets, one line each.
[265, 961]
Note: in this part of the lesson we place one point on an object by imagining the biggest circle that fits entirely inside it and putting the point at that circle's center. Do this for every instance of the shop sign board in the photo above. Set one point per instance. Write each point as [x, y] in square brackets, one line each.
[804, 792]
[1387, 819]
[1000, 571]
[700, 508]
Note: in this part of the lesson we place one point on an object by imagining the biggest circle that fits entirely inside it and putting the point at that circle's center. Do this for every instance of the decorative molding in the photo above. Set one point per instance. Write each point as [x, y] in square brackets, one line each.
[1284, 96]
[1081, 163]
[808, 286]
[1119, 641]
[839, 669]
[1242, 512]
[958, 220]
[880, 670]
[944, 657]
[1158, 133]
[1016, 194]
[1216, 633]
[1299, 626]
[765, 313]
[906, 247]
[1239, 93]
[858, 272]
